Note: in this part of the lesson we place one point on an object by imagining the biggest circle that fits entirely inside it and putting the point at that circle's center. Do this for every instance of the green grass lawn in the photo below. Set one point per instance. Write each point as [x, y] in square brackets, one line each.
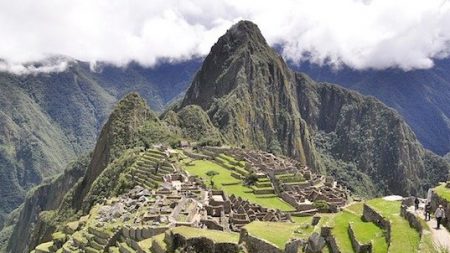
[403, 237]
[278, 233]
[201, 167]
[356, 208]
[368, 231]
[215, 235]
[340, 223]
[233, 160]
[230, 162]
[146, 243]
[365, 231]
[159, 240]
[384, 207]
[302, 219]
[443, 192]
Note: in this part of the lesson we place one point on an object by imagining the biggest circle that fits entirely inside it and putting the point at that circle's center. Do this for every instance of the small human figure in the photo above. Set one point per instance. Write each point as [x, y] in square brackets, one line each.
[416, 203]
[157, 168]
[428, 211]
[440, 215]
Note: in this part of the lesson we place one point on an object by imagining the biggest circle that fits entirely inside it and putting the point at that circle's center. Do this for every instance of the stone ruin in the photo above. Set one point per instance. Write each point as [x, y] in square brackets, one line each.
[244, 212]
[296, 184]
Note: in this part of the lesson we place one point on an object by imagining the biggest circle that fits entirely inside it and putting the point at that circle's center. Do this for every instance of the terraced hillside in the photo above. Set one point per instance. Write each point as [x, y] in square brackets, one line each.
[230, 179]
[150, 168]
[139, 195]
[129, 223]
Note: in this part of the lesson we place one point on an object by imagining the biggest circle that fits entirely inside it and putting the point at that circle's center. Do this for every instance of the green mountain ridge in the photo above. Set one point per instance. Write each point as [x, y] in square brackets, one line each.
[49, 119]
[244, 95]
[254, 99]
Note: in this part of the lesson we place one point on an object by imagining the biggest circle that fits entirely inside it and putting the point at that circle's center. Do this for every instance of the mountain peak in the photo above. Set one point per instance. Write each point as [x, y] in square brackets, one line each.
[241, 48]
[242, 34]
[244, 31]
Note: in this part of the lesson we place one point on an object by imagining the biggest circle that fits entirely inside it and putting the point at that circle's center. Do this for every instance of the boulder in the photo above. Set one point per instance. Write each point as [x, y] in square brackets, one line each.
[315, 243]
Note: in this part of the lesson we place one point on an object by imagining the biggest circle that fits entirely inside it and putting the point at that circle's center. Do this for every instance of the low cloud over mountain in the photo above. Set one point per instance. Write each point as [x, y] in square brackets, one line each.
[407, 34]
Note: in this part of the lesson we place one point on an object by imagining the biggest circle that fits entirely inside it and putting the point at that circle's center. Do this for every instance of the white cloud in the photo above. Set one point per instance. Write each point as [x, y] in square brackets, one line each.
[48, 65]
[361, 34]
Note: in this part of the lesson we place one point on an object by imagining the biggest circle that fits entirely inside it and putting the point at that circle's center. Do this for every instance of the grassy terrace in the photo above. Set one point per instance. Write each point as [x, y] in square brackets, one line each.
[443, 192]
[364, 231]
[231, 185]
[290, 178]
[403, 237]
[159, 240]
[278, 233]
[231, 163]
[215, 235]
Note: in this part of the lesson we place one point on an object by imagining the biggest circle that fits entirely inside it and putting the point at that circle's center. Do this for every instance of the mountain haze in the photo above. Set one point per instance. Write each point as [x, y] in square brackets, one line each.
[49, 119]
[422, 97]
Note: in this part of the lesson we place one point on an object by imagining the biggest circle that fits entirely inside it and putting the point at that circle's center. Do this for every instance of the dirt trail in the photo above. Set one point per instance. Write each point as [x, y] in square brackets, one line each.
[441, 237]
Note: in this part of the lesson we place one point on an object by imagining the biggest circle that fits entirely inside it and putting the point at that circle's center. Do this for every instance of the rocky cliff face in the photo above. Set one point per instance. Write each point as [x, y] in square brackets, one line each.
[49, 119]
[116, 136]
[64, 197]
[421, 96]
[254, 99]
[249, 94]
[32, 226]
[368, 134]
[245, 94]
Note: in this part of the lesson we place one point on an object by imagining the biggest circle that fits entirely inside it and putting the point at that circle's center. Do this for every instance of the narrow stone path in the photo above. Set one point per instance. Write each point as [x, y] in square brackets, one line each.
[441, 237]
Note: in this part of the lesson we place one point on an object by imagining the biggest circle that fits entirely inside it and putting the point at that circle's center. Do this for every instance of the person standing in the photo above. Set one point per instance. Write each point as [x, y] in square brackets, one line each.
[428, 211]
[440, 215]
[416, 203]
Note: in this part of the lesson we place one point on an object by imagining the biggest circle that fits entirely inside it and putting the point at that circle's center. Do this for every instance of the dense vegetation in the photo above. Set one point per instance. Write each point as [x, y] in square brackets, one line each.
[255, 100]
[244, 95]
[47, 120]
[421, 96]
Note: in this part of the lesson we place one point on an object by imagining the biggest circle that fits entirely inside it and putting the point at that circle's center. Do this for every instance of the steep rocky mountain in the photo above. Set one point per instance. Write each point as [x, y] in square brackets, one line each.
[244, 95]
[79, 187]
[47, 120]
[35, 144]
[422, 97]
[249, 94]
[254, 99]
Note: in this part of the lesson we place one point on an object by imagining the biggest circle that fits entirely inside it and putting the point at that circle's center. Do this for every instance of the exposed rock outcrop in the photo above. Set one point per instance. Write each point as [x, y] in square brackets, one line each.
[31, 227]
[255, 100]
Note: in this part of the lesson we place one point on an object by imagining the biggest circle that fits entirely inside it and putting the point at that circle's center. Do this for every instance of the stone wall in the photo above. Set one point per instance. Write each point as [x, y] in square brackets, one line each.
[289, 199]
[198, 244]
[140, 233]
[212, 224]
[257, 245]
[412, 219]
[358, 246]
[325, 232]
[436, 200]
[371, 215]
[294, 246]
[156, 248]
[197, 156]
[409, 201]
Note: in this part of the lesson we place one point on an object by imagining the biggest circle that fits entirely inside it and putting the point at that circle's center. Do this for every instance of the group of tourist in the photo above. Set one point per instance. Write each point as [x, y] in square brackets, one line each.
[439, 214]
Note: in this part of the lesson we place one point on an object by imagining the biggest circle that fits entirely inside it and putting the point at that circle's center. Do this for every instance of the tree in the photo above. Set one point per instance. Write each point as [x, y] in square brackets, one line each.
[251, 179]
[211, 174]
[322, 205]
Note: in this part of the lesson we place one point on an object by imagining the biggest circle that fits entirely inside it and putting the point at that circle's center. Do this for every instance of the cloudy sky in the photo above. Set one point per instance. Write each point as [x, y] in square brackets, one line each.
[406, 34]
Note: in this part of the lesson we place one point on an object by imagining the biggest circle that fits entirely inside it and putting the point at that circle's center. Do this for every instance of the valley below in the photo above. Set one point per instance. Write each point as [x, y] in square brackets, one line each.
[252, 158]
